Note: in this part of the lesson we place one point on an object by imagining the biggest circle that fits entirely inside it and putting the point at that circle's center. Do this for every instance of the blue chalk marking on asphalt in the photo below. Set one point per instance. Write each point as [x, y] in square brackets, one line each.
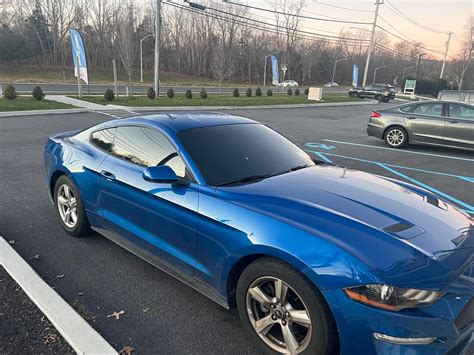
[323, 157]
[464, 178]
[428, 187]
[320, 145]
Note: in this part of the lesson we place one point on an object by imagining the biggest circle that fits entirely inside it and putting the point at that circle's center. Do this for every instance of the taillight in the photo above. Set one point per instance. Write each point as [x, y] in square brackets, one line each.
[375, 114]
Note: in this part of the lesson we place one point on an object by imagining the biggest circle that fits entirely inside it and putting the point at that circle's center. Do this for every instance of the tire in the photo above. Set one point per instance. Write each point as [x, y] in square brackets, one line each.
[379, 98]
[396, 137]
[319, 336]
[386, 100]
[74, 226]
[354, 95]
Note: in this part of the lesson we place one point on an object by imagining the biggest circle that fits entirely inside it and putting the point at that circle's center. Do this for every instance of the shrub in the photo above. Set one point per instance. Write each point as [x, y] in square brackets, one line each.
[189, 94]
[306, 91]
[290, 92]
[269, 92]
[236, 92]
[248, 93]
[10, 92]
[38, 94]
[151, 93]
[258, 92]
[109, 95]
[297, 92]
[203, 94]
[170, 93]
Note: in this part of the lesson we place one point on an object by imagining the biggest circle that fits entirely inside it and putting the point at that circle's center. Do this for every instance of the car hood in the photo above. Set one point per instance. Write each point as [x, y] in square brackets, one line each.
[392, 211]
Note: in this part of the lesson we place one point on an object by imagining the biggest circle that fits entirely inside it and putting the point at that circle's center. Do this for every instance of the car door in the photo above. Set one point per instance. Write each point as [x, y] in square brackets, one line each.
[425, 122]
[367, 91]
[159, 218]
[459, 130]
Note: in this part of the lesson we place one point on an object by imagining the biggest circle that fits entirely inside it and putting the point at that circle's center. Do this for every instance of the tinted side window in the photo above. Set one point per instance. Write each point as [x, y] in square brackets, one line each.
[408, 108]
[429, 109]
[461, 111]
[104, 139]
[147, 147]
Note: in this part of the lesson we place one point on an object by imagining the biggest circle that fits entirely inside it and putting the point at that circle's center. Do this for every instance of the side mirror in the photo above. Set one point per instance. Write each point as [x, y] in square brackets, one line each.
[163, 174]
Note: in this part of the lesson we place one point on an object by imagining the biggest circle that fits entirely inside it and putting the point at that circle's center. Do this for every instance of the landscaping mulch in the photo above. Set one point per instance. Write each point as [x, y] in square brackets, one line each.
[23, 327]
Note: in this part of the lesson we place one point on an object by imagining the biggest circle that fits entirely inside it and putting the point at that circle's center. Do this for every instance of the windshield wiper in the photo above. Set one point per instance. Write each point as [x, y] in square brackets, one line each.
[246, 179]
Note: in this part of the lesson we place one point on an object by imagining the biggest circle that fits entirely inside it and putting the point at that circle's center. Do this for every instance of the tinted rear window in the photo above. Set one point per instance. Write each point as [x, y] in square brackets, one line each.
[233, 152]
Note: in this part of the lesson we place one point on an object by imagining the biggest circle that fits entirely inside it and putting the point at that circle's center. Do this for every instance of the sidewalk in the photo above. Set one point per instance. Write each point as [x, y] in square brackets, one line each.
[75, 102]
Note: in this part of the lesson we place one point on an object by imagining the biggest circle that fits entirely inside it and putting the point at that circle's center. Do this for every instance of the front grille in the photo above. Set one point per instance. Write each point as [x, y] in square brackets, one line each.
[466, 316]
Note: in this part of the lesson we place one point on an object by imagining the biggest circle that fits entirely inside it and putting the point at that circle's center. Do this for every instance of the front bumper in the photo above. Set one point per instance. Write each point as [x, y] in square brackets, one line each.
[357, 324]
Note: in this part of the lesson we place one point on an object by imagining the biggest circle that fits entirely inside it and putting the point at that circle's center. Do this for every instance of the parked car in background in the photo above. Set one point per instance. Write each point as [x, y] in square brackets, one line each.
[317, 259]
[289, 84]
[331, 84]
[443, 123]
[455, 95]
[379, 92]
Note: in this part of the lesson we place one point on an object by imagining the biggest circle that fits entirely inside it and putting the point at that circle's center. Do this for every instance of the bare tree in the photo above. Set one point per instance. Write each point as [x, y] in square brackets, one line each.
[462, 62]
[127, 41]
[220, 64]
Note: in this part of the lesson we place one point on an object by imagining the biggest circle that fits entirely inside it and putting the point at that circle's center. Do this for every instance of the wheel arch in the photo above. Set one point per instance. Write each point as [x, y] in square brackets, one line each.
[240, 264]
[396, 125]
[54, 178]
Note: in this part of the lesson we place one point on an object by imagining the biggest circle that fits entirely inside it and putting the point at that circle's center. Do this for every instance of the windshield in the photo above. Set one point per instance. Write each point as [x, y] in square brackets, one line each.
[236, 153]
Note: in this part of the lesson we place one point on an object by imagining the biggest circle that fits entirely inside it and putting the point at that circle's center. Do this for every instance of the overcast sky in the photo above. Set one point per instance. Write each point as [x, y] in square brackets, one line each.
[444, 15]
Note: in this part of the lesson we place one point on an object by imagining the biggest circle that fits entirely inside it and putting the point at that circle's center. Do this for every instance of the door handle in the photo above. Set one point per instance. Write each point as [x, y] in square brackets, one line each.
[453, 121]
[107, 175]
[411, 117]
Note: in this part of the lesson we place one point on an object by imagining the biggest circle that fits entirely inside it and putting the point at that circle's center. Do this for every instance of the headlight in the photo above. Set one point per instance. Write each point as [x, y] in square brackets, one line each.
[392, 298]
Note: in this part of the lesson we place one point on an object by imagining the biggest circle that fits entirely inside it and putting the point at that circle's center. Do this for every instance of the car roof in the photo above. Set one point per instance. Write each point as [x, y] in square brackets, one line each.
[183, 120]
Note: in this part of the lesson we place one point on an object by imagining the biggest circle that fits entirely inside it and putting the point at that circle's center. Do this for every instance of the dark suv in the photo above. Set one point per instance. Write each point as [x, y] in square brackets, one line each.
[379, 92]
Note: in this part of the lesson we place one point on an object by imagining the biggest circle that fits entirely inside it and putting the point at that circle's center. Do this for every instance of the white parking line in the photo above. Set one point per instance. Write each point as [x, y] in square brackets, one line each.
[107, 114]
[75, 330]
[400, 151]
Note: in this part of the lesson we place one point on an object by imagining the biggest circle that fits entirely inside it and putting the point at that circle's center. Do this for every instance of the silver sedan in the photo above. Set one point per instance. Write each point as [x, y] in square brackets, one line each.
[441, 123]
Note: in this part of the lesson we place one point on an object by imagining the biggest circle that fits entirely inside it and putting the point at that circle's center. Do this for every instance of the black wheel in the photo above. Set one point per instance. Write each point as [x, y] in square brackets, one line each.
[354, 95]
[283, 311]
[70, 208]
[396, 137]
[379, 98]
[386, 99]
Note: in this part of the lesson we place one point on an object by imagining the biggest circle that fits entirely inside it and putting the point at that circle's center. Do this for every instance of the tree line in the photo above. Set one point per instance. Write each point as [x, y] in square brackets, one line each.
[225, 42]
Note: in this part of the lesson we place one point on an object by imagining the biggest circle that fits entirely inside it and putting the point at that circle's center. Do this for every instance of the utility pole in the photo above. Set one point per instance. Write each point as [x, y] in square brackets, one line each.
[445, 55]
[372, 38]
[157, 47]
[418, 66]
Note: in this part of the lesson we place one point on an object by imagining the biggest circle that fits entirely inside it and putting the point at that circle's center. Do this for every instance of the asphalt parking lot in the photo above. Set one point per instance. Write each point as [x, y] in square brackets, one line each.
[163, 315]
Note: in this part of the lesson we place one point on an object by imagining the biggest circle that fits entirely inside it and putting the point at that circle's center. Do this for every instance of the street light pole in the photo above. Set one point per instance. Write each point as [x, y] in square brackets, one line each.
[445, 55]
[335, 64]
[265, 68]
[375, 72]
[156, 85]
[141, 57]
[372, 38]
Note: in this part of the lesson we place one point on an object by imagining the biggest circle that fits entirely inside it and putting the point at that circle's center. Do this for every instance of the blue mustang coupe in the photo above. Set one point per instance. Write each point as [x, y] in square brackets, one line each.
[317, 259]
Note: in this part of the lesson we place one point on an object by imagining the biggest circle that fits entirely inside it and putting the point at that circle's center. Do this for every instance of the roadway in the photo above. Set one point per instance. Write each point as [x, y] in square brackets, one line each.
[162, 315]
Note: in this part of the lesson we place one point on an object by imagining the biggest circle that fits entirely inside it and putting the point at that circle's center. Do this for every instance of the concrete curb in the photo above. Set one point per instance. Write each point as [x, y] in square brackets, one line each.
[43, 112]
[75, 330]
[213, 108]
